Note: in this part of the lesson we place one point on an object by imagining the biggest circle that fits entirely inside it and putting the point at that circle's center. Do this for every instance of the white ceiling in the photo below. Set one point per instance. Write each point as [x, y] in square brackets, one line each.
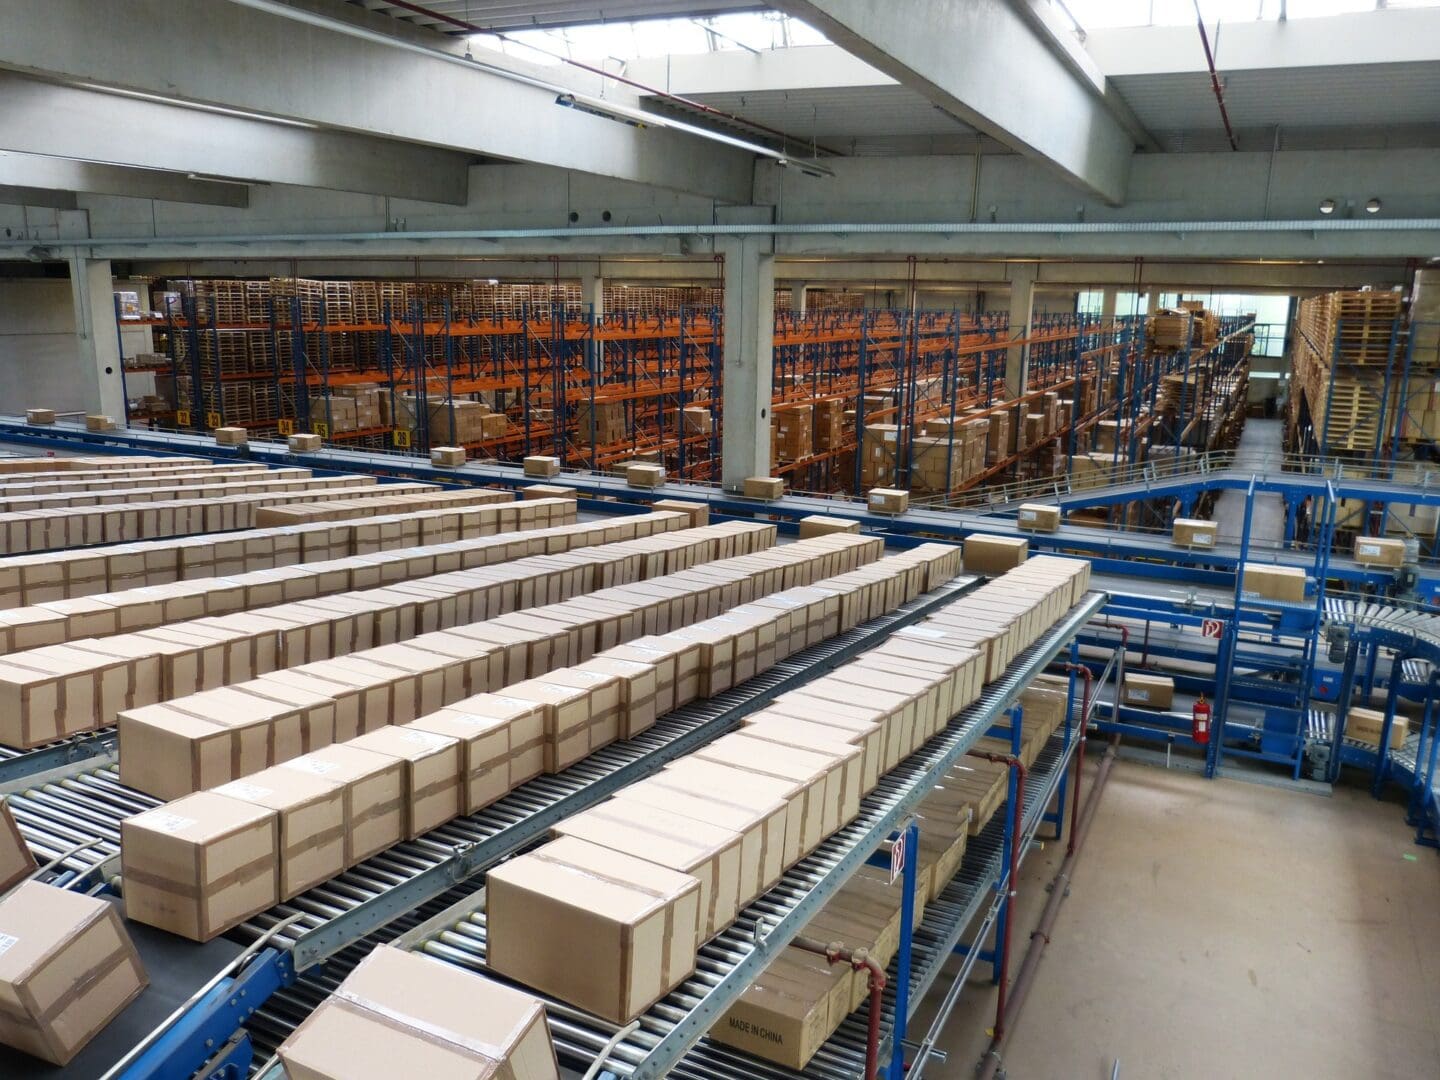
[1317, 97]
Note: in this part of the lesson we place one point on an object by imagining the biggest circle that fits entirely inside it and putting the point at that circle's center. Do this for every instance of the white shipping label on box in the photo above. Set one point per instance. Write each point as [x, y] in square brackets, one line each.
[423, 738]
[920, 632]
[1140, 695]
[1369, 549]
[241, 790]
[1202, 539]
[1027, 515]
[319, 768]
[169, 823]
[7, 942]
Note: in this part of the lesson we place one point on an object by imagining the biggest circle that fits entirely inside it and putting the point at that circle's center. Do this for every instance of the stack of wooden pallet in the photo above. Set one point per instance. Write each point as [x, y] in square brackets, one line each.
[1346, 345]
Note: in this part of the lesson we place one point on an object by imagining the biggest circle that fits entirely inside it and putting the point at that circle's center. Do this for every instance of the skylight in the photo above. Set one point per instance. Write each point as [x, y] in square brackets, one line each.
[1099, 14]
[751, 31]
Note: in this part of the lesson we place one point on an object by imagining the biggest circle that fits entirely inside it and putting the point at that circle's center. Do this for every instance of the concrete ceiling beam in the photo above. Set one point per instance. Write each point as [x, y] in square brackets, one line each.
[988, 63]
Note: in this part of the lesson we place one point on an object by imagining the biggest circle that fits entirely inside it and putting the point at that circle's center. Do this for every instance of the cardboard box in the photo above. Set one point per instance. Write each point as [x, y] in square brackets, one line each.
[200, 865]
[1285, 583]
[994, 554]
[1367, 725]
[541, 467]
[311, 820]
[764, 487]
[641, 475]
[404, 1014]
[790, 1009]
[39, 416]
[1194, 532]
[432, 774]
[603, 930]
[373, 800]
[99, 422]
[698, 513]
[547, 491]
[1148, 691]
[484, 753]
[304, 444]
[67, 968]
[887, 501]
[16, 860]
[230, 436]
[706, 852]
[1377, 551]
[448, 457]
[822, 525]
[1036, 517]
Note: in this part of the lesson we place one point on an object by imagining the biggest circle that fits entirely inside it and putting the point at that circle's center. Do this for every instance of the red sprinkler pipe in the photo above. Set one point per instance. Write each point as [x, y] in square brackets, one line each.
[860, 960]
[1011, 885]
[1215, 78]
[1089, 677]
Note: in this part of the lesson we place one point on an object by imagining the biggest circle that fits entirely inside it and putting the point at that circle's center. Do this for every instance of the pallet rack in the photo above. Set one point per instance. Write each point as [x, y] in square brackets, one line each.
[595, 390]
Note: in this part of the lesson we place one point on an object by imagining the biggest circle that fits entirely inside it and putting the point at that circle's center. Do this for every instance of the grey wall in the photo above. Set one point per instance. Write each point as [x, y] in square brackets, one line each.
[38, 352]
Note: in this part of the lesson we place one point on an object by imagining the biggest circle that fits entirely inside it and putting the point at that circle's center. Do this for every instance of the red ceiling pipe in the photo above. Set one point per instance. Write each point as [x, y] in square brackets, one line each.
[1011, 884]
[860, 960]
[1040, 937]
[1215, 79]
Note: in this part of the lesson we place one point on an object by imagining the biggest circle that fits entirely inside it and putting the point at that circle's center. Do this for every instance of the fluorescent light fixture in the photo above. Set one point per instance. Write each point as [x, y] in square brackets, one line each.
[639, 118]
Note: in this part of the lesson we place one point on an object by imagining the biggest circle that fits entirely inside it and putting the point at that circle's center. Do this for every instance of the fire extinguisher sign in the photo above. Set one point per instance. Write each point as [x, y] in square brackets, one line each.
[1212, 628]
[897, 858]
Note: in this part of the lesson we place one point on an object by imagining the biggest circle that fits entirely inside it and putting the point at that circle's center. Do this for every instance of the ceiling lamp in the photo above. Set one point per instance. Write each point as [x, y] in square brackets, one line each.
[1373, 206]
[1327, 206]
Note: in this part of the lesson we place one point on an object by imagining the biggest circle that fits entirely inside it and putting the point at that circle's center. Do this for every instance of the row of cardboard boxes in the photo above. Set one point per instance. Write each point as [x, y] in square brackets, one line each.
[60, 690]
[26, 580]
[792, 776]
[58, 621]
[82, 482]
[799, 1000]
[464, 751]
[373, 687]
[77, 526]
[253, 481]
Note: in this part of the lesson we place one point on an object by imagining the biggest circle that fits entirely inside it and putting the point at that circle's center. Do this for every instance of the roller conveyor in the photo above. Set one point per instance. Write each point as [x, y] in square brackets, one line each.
[659, 1042]
[74, 820]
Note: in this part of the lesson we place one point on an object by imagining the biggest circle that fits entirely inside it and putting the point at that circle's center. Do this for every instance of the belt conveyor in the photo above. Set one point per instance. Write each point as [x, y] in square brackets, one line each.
[660, 1040]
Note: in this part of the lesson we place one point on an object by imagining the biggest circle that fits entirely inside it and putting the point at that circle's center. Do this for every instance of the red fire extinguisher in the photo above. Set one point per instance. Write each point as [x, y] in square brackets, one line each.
[1200, 721]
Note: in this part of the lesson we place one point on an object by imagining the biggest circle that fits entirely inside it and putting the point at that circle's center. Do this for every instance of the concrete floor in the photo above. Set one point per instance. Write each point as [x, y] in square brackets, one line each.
[1260, 451]
[1222, 929]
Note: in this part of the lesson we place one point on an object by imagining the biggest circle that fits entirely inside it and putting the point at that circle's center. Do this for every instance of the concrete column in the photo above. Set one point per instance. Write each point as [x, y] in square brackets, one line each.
[1152, 302]
[749, 357]
[592, 294]
[1022, 310]
[97, 341]
[797, 296]
[1107, 305]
